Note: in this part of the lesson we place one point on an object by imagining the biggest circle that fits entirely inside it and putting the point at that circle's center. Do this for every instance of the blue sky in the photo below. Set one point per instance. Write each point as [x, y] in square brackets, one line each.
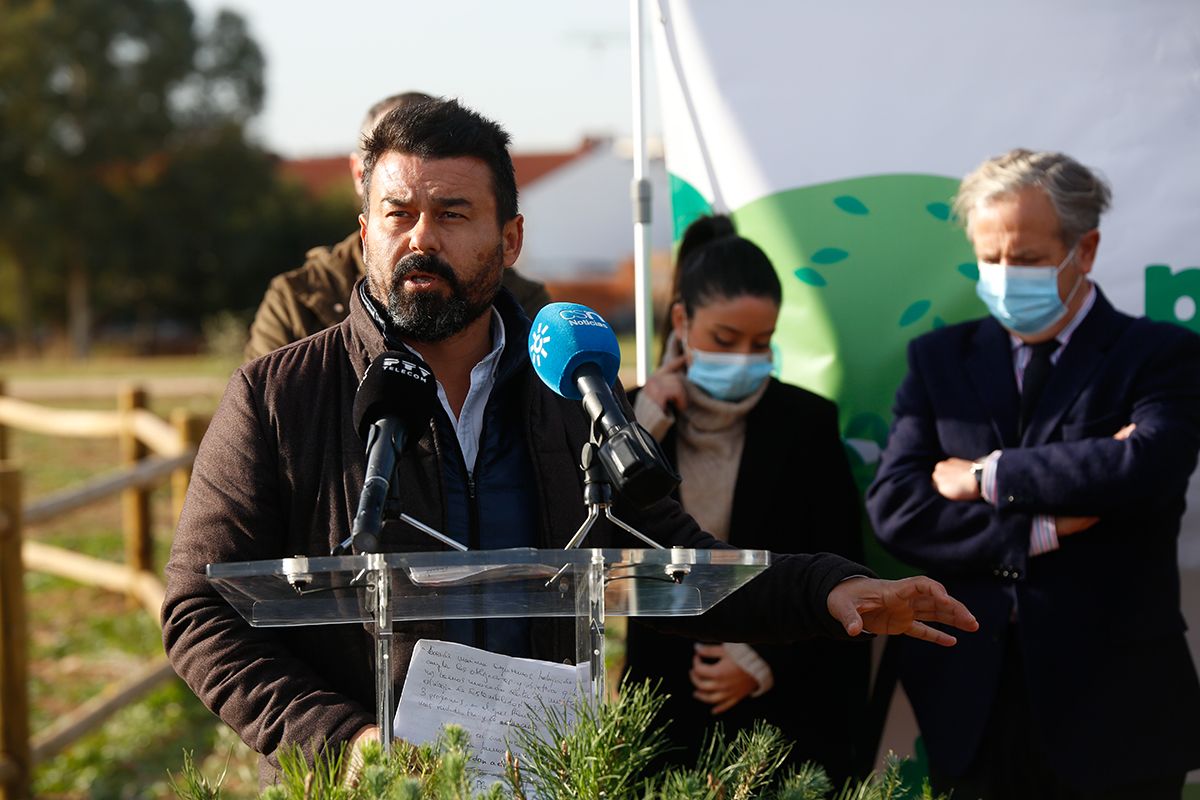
[550, 71]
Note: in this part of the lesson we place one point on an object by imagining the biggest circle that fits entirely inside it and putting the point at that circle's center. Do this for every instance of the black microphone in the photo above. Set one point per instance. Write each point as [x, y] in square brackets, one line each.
[575, 352]
[397, 395]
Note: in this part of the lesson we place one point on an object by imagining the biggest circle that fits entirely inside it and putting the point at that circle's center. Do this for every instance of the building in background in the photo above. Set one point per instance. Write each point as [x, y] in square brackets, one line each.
[578, 220]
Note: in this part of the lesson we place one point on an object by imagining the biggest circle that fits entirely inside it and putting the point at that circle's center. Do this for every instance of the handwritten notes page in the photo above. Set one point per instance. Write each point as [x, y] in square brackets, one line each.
[485, 693]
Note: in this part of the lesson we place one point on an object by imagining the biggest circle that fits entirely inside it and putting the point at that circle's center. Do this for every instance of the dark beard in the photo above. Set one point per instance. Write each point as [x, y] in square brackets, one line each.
[430, 317]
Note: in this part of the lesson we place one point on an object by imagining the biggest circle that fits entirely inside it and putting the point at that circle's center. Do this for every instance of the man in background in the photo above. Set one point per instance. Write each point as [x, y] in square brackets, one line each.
[316, 295]
[1038, 458]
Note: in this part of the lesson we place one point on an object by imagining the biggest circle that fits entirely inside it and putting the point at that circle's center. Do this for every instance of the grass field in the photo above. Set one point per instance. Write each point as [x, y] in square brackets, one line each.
[83, 639]
[116, 367]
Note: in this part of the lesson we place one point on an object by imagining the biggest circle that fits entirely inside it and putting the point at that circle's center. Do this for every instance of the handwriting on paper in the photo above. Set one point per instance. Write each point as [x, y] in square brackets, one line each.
[486, 693]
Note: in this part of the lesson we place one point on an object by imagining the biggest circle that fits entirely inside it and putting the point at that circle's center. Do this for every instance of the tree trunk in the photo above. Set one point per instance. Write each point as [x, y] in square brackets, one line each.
[79, 309]
[26, 347]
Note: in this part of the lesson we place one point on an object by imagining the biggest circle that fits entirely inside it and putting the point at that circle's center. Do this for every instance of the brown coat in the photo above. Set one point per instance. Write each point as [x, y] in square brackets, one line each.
[279, 474]
[316, 295]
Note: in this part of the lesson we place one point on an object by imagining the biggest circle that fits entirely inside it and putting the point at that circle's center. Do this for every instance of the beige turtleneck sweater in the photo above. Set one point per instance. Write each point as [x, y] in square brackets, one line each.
[710, 436]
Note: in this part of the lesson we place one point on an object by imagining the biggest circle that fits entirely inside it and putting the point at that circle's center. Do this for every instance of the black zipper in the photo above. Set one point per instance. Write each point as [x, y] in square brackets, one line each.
[473, 535]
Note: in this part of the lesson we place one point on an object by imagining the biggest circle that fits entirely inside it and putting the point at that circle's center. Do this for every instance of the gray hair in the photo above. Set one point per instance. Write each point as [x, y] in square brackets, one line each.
[1078, 194]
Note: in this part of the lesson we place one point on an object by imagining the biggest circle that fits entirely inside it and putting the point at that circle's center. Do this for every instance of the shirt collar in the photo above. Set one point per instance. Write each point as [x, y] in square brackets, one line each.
[498, 341]
[1066, 333]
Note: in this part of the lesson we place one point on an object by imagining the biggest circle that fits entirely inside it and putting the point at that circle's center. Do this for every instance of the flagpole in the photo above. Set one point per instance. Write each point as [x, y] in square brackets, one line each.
[640, 195]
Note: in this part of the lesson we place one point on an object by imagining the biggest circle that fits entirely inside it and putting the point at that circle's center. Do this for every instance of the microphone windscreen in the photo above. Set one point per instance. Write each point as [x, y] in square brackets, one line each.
[395, 384]
[565, 336]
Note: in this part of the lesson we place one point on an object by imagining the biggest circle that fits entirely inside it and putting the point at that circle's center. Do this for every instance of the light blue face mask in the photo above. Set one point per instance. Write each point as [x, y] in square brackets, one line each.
[1024, 299]
[729, 376]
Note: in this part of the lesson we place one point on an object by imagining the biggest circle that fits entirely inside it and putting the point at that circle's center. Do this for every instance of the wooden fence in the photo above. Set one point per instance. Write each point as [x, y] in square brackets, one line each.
[152, 451]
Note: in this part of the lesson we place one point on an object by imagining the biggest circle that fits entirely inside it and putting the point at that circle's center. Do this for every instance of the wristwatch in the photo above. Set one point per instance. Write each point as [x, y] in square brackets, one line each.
[977, 474]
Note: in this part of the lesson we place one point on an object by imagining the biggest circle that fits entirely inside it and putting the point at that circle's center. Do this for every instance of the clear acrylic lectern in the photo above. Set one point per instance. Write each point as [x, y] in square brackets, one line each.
[385, 588]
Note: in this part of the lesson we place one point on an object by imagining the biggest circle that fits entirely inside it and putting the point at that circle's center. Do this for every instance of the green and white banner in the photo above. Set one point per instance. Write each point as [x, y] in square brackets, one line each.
[836, 133]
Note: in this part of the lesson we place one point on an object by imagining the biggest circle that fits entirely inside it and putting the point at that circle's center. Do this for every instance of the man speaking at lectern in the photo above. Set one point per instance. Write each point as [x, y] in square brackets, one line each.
[281, 468]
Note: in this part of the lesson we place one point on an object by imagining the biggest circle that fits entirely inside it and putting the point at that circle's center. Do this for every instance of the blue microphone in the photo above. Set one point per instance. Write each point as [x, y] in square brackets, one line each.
[565, 336]
[574, 351]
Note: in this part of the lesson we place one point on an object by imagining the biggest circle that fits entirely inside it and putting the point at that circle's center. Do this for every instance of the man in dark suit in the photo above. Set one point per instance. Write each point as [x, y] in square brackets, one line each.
[1038, 460]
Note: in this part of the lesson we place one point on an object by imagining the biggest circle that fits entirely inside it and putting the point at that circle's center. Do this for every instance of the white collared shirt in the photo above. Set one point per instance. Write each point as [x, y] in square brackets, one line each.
[1022, 352]
[469, 423]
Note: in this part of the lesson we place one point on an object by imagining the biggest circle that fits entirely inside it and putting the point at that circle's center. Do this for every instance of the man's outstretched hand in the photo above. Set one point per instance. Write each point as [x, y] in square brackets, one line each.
[898, 607]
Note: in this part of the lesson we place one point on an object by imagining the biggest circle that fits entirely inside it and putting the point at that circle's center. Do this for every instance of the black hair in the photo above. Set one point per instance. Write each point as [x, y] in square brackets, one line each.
[381, 107]
[714, 263]
[437, 128]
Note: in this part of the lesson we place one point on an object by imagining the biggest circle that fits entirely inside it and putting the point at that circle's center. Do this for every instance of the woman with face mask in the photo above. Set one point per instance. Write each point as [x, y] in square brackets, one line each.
[763, 467]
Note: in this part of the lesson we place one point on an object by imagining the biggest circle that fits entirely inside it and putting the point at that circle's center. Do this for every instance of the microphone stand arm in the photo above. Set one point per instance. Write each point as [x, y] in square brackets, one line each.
[597, 496]
[589, 625]
[368, 521]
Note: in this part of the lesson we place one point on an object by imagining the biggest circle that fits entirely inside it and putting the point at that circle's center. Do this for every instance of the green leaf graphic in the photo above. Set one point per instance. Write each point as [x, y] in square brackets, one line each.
[939, 210]
[867, 426]
[829, 255]
[914, 312]
[851, 204]
[687, 204]
[969, 270]
[810, 276]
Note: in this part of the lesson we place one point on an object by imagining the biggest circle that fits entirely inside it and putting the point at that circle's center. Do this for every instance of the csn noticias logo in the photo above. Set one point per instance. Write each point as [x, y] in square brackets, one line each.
[583, 316]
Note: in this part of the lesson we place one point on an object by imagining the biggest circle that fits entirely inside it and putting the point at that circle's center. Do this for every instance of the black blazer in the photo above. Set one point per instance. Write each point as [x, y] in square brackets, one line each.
[794, 493]
[1111, 683]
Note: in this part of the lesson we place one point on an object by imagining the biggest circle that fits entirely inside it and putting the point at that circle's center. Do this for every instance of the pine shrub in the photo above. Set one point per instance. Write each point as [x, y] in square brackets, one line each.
[608, 752]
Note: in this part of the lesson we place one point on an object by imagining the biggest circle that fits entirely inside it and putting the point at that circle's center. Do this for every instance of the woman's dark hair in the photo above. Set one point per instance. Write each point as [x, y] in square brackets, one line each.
[714, 263]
